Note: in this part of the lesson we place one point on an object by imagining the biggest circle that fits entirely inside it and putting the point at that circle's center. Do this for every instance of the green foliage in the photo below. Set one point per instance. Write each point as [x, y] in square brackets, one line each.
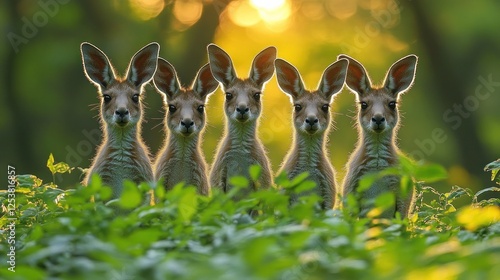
[78, 234]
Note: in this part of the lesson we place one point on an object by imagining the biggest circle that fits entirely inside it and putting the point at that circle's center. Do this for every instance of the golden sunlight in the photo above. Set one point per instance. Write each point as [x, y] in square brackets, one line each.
[147, 9]
[188, 12]
[243, 14]
[272, 11]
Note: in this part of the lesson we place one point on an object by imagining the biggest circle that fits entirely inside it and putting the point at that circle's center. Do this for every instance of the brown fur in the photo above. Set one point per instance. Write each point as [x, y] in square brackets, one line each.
[181, 159]
[122, 154]
[240, 147]
[377, 125]
[311, 120]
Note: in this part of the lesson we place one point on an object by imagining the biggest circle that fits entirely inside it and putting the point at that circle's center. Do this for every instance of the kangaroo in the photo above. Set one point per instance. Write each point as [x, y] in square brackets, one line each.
[181, 159]
[377, 126]
[122, 154]
[240, 147]
[311, 122]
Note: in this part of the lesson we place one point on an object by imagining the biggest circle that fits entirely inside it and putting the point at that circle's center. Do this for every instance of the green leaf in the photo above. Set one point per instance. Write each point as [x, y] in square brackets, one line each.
[430, 173]
[299, 178]
[305, 186]
[255, 172]
[385, 200]
[239, 181]
[28, 181]
[131, 196]
[367, 181]
[188, 204]
[494, 167]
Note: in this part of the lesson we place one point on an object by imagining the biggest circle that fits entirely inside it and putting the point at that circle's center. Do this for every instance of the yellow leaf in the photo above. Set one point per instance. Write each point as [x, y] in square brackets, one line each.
[473, 218]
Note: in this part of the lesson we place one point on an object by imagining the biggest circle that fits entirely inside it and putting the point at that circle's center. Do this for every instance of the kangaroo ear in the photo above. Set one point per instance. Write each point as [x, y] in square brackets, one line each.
[221, 65]
[401, 75]
[204, 83]
[96, 66]
[289, 79]
[333, 78]
[357, 79]
[263, 66]
[142, 66]
[165, 79]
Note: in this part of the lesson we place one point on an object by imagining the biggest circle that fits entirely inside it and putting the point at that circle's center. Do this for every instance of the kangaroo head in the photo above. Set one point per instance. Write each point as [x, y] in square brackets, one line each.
[378, 112]
[186, 106]
[120, 97]
[311, 113]
[243, 96]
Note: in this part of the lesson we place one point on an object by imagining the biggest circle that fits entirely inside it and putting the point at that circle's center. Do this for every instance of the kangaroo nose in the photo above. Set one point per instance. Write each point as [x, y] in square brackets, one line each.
[122, 112]
[187, 123]
[311, 120]
[378, 119]
[242, 109]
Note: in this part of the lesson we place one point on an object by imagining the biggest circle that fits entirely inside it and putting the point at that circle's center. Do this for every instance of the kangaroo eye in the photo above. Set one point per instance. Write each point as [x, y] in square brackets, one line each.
[297, 107]
[106, 97]
[364, 105]
[172, 108]
[392, 105]
[135, 98]
[229, 96]
[201, 108]
[257, 95]
[325, 107]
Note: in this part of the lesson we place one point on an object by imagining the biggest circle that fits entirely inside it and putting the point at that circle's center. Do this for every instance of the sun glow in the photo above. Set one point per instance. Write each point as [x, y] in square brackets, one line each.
[247, 13]
[147, 9]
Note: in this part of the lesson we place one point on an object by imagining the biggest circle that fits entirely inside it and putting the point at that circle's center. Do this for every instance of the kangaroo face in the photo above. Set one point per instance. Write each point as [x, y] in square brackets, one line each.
[311, 108]
[120, 105]
[186, 106]
[242, 101]
[186, 114]
[120, 97]
[311, 113]
[378, 111]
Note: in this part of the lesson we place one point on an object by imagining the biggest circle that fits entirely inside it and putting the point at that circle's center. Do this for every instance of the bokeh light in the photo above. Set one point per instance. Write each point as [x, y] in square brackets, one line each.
[243, 14]
[147, 9]
[188, 12]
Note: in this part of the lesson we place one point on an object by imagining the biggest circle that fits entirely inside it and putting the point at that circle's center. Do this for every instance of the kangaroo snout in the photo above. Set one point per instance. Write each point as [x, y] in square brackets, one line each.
[242, 112]
[122, 116]
[187, 126]
[311, 123]
[378, 123]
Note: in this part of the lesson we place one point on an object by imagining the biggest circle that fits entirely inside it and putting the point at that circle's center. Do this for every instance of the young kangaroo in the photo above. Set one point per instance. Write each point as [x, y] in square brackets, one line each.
[122, 154]
[377, 125]
[240, 148]
[311, 121]
[181, 159]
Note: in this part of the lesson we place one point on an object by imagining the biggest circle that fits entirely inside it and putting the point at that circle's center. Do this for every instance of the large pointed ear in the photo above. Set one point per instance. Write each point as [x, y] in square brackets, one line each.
[165, 79]
[333, 78]
[204, 83]
[142, 66]
[263, 66]
[401, 75]
[221, 65]
[289, 79]
[357, 79]
[96, 66]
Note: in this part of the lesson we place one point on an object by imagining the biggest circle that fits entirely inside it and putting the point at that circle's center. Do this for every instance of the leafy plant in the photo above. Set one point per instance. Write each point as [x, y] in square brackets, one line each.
[79, 234]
